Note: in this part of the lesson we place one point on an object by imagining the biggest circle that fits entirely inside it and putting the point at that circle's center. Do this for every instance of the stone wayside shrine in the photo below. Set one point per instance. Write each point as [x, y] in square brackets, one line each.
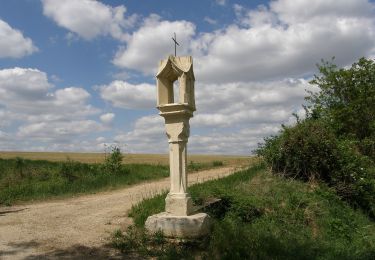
[179, 219]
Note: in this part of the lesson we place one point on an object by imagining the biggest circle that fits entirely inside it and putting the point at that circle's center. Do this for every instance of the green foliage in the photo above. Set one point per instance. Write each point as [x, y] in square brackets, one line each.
[307, 150]
[22, 180]
[217, 163]
[138, 240]
[19, 166]
[140, 212]
[346, 99]
[265, 216]
[113, 161]
[335, 143]
[198, 166]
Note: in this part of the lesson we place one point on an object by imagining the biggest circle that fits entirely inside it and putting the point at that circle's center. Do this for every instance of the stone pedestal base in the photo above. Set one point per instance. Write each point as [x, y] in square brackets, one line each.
[178, 204]
[188, 227]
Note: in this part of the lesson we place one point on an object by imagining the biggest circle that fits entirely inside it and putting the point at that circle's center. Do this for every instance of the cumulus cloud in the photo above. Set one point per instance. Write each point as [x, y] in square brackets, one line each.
[125, 95]
[107, 118]
[152, 42]
[88, 18]
[231, 104]
[231, 118]
[58, 131]
[210, 20]
[148, 134]
[221, 2]
[252, 74]
[28, 95]
[18, 82]
[285, 39]
[13, 44]
[31, 109]
[296, 11]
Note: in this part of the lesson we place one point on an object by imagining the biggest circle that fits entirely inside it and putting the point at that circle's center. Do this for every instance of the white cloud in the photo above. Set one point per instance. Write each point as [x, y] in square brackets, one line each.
[210, 20]
[230, 118]
[100, 139]
[233, 104]
[285, 40]
[32, 111]
[107, 118]
[148, 134]
[252, 74]
[299, 11]
[71, 95]
[275, 42]
[89, 18]
[20, 81]
[59, 131]
[152, 42]
[13, 44]
[28, 95]
[125, 95]
[221, 2]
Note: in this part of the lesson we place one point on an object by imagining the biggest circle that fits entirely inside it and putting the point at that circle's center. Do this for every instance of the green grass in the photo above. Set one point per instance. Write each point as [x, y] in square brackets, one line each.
[199, 166]
[24, 180]
[262, 216]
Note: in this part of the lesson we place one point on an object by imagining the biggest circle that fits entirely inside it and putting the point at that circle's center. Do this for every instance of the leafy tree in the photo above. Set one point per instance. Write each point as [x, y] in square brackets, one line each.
[346, 101]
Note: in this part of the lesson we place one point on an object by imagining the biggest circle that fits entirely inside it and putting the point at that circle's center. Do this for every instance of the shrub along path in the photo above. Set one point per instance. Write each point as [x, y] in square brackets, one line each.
[78, 227]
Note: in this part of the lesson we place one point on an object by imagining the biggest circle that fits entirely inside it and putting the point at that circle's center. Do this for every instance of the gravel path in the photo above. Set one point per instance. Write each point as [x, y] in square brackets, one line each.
[78, 227]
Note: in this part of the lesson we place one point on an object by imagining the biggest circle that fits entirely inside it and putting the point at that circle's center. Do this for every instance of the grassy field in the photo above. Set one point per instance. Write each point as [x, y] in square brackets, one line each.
[24, 180]
[128, 158]
[66, 174]
[261, 216]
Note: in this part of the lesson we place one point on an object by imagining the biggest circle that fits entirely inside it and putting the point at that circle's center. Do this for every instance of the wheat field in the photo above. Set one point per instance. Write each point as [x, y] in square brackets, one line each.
[128, 158]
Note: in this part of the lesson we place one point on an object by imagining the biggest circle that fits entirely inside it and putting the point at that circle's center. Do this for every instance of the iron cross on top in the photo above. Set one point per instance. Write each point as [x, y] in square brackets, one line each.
[175, 43]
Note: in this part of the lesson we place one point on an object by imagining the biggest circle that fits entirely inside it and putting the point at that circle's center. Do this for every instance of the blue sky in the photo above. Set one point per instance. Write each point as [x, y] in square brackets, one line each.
[78, 74]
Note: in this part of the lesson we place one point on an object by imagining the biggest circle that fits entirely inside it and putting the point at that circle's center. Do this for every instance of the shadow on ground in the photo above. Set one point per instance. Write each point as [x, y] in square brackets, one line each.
[14, 249]
[23, 251]
[4, 212]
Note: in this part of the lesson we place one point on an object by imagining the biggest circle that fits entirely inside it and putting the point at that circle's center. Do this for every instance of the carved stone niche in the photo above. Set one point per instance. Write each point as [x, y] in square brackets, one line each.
[172, 69]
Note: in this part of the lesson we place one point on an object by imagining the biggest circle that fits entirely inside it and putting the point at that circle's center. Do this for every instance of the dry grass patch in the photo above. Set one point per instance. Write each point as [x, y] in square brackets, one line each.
[128, 158]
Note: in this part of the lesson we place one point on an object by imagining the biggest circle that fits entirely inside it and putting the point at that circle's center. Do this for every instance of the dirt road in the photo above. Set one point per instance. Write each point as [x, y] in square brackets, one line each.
[77, 228]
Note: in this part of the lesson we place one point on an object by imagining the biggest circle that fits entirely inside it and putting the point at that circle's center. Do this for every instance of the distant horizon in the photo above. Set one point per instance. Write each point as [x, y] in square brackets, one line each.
[97, 152]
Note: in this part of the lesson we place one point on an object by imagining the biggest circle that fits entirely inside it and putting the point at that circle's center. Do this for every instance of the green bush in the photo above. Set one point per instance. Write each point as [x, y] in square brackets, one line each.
[354, 178]
[346, 99]
[306, 151]
[217, 163]
[113, 161]
[336, 142]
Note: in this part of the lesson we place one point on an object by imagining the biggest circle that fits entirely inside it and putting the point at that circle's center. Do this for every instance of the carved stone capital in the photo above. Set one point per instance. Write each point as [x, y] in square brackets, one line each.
[177, 131]
[176, 121]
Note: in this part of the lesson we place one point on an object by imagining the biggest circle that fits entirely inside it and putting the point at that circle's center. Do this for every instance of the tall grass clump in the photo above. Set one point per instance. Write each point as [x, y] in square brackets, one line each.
[336, 142]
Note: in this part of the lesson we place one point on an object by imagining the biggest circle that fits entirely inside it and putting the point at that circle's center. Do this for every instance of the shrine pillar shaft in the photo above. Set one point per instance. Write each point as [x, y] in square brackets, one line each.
[178, 201]
[177, 153]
